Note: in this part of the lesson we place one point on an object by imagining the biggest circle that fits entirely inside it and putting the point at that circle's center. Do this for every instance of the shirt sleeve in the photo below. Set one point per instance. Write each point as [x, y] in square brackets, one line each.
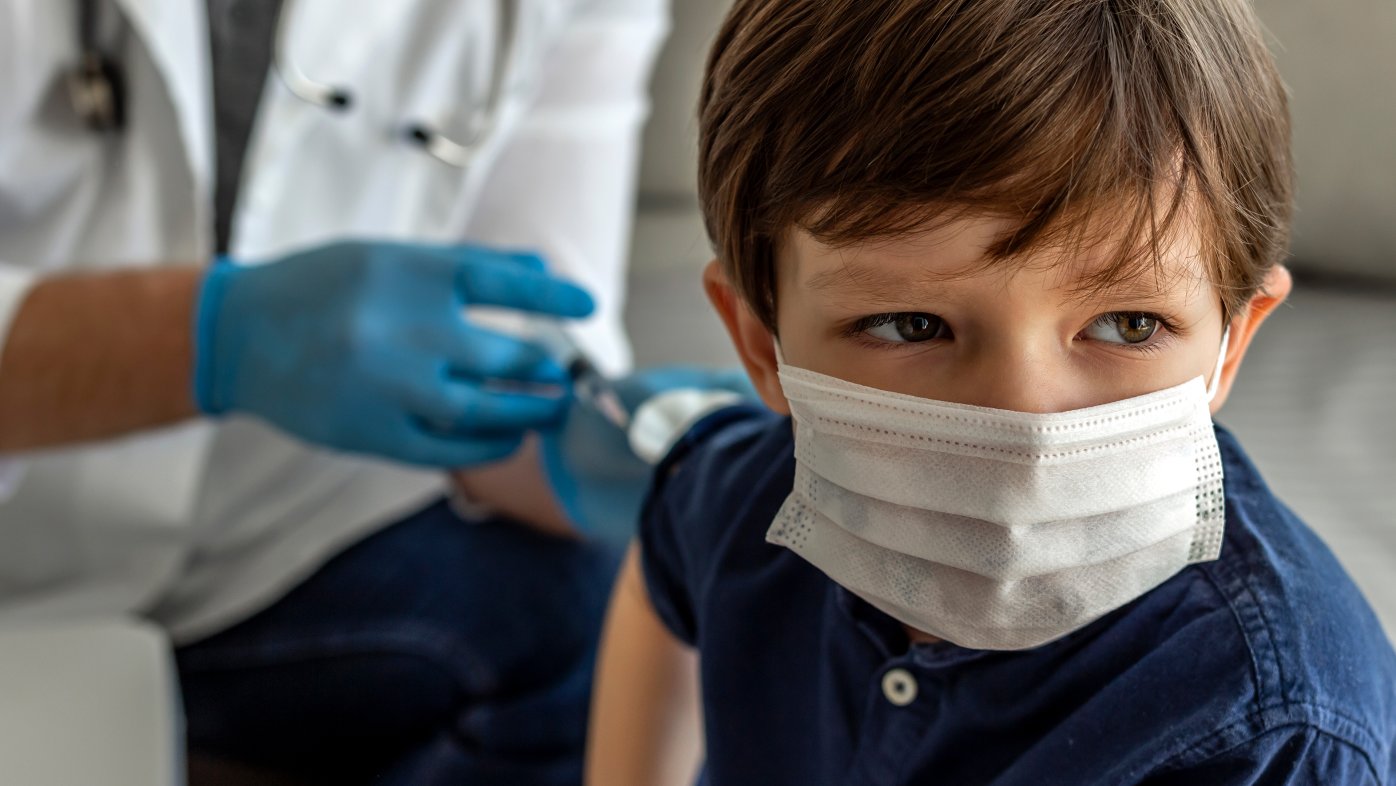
[565, 183]
[664, 559]
[684, 518]
[1297, 755]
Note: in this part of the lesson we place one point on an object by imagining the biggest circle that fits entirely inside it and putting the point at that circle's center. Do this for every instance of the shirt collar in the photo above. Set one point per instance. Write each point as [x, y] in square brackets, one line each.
[889, 639]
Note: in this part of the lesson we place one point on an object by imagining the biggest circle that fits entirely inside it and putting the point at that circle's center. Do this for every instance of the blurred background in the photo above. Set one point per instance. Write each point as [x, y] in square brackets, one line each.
[1315, 403]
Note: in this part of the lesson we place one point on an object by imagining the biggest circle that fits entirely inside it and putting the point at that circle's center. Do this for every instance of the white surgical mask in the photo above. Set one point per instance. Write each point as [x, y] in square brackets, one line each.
[995, 529]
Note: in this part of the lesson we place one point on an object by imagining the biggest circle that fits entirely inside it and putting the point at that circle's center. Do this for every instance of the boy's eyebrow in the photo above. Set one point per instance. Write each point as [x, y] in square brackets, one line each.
[875, 285]
[870, 278]
[1157, 288]
[896, 286]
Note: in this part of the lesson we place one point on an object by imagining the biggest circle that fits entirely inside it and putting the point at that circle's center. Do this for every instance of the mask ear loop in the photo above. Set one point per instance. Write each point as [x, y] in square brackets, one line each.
[1215, 382]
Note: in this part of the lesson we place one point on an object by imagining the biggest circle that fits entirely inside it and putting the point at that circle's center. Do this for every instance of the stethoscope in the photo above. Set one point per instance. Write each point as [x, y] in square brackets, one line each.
[95, 84]
[97, 91]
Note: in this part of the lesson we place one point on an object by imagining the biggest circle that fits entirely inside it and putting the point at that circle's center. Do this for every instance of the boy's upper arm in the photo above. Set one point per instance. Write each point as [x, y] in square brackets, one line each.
[645, 716]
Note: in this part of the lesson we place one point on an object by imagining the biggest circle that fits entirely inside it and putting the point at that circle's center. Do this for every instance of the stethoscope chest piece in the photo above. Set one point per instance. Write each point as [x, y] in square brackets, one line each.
[95, 85]
[97, 93]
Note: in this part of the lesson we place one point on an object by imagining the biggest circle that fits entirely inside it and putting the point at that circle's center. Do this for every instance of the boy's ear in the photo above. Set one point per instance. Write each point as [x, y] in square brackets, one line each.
[1273, 291]
[755, 344]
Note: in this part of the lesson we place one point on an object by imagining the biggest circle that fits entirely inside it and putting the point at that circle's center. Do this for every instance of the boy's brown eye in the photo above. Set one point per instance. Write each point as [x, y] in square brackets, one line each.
[917, 327]
[904, 328]
[1124, 328]
[1135, 328]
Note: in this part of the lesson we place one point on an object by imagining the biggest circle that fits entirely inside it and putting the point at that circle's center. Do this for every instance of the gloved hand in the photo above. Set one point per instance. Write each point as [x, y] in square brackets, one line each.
[364, 347]
[592, 463]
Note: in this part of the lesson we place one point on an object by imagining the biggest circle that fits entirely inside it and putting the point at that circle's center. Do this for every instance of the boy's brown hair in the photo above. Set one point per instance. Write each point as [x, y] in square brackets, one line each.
[864, 119]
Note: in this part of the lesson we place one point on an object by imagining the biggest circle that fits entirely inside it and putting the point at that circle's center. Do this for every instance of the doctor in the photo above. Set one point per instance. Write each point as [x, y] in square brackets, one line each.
[236, 238]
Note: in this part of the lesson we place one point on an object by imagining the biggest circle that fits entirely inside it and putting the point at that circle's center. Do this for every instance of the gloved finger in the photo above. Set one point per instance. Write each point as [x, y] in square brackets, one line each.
[425, 446]
[455, 252]
[523, 260]
[480, 353]
[495, 283]
[464, 409]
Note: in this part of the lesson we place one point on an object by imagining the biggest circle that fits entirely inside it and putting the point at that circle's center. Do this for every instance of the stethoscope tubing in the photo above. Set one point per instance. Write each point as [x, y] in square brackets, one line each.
[436, 143]
[98, 97]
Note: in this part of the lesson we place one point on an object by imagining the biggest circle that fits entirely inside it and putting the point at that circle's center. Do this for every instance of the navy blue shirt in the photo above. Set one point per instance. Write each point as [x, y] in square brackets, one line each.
[1265, 666]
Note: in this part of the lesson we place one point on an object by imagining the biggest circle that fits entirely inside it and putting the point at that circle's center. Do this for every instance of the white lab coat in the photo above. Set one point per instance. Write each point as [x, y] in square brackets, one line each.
[202, 524]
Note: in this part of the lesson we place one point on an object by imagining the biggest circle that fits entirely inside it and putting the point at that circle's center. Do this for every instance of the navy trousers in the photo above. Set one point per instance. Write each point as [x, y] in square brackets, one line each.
[436, 651]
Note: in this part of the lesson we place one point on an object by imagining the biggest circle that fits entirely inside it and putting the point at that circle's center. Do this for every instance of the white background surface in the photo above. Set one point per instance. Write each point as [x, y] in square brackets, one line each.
[89, 703]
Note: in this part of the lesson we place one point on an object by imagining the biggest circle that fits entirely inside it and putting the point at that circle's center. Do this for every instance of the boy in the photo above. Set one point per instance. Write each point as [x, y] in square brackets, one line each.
[1000, 261]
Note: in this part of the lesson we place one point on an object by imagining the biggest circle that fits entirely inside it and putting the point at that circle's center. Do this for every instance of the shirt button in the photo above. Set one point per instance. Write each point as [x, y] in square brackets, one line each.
[899, 687]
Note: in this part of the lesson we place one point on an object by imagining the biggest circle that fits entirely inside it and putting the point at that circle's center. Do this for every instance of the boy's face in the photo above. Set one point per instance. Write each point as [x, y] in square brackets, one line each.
[924, 316]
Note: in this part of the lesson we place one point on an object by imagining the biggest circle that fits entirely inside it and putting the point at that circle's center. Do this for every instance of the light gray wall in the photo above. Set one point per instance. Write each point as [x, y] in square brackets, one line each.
[1338, 59]
[671, 139]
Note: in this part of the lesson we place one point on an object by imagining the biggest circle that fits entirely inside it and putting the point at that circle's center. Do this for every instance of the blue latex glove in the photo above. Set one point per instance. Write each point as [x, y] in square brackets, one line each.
[594, 473]
[363, 347]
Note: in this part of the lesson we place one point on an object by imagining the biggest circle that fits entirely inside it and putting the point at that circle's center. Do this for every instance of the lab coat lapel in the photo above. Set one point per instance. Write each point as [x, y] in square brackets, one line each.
[176, 33]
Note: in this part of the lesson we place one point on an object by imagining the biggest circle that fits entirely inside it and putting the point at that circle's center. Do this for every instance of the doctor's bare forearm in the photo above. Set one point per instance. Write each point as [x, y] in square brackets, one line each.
[99, 355]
